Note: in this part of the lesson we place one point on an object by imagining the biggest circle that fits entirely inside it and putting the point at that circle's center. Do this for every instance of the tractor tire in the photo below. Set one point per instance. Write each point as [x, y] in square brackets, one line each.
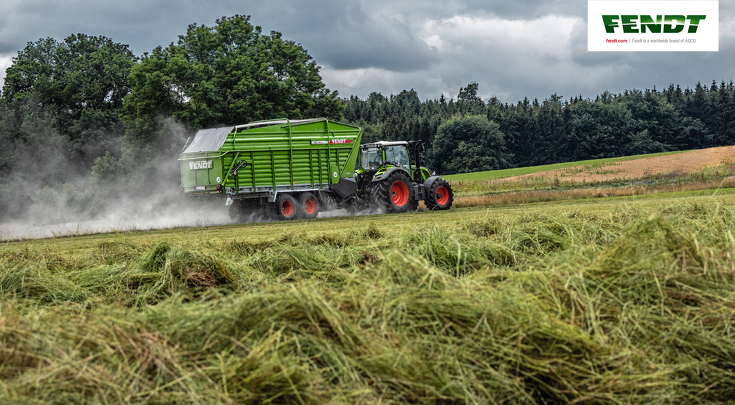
[308, 206]
[395, 194]
[285, 208]
[440, 196]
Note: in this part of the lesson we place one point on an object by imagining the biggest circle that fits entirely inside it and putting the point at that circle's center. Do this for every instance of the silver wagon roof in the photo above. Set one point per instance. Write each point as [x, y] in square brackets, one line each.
[212, 139]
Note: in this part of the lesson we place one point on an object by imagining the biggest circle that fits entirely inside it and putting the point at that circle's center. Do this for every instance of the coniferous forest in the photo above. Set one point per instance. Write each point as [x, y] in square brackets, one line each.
[552, 130]
[83, 120]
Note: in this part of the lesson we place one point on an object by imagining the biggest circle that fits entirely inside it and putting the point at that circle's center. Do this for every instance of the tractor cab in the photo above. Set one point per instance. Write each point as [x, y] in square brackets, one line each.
[374, 156]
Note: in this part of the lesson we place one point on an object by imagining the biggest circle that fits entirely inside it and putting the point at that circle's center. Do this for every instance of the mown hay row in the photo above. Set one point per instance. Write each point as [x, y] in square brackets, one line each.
[628, 306]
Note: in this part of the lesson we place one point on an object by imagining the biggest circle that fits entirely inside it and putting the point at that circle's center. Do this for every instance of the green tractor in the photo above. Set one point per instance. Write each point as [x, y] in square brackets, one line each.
[390, 175]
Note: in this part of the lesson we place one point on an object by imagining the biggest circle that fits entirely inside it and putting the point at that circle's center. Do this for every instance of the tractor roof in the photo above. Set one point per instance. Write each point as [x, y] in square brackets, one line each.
[387, 143]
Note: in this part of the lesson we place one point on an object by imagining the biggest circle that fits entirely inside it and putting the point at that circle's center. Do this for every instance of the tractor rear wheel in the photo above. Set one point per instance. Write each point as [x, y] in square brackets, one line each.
[285, 207]
[308, 205]
[440, 196]
[395, 194]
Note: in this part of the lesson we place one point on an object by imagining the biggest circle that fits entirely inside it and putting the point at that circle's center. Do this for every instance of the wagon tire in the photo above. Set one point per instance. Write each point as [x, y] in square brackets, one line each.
[285, 208]
[308, 206]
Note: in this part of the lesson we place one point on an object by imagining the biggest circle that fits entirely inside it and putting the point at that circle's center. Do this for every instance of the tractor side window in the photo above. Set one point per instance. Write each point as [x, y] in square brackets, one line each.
[397, 155]
[403, 157]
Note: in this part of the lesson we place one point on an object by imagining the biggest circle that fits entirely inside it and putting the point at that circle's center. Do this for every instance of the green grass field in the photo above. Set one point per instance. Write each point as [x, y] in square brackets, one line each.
[499, 174]
[612, 300]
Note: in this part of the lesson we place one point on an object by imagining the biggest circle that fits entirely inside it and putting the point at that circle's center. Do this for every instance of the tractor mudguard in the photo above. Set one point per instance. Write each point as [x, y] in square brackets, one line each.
[388, 173]
[428, 183]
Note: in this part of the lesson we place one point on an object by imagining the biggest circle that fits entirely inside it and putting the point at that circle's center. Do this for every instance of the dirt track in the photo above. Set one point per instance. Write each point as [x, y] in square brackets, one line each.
[687, 162]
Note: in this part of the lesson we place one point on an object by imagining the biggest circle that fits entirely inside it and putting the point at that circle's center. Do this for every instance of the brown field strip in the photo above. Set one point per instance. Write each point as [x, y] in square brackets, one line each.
[679, 163]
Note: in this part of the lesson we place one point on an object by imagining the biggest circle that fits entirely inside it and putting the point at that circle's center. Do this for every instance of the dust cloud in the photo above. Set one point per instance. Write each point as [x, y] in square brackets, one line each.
[137, 191]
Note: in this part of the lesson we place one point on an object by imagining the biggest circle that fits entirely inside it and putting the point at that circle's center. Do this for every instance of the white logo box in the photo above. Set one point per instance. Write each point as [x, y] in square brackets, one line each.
[705, 39]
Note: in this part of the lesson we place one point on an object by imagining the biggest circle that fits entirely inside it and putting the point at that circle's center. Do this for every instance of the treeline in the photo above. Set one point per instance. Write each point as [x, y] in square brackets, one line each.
[554, 130]
[84, 122]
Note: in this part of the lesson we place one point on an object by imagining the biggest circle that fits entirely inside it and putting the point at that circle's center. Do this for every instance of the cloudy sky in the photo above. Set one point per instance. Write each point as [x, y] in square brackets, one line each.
[513, 49]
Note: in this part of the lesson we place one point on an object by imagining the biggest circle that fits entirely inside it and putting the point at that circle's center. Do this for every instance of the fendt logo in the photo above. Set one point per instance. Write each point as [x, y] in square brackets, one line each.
[331, 142]
[204, 164]
[652, 26]
[672, 24]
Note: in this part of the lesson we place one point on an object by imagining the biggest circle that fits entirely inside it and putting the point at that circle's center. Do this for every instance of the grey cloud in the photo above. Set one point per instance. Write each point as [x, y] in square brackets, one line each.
[394, 50]
[515, 10]
[343, 35]
[134, 22]
[337, 33]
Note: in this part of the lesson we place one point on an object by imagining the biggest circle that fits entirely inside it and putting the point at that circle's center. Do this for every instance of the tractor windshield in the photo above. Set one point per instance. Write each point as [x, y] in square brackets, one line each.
[371, 158]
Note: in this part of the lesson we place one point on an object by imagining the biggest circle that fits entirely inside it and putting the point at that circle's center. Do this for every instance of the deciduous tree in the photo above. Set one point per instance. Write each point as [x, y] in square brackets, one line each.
[228, 74]
[469, 144]
[80, 81]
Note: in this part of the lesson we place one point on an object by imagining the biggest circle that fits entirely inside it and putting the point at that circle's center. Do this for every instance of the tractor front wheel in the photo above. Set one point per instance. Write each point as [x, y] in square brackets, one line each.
[395, 194]
[440, 196]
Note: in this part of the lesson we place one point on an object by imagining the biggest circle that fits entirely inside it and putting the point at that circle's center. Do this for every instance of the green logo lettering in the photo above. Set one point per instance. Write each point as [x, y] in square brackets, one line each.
[610, 23]
[695, 19]
[672, 24]
[674, 28]
[630, 22]
[648, 23]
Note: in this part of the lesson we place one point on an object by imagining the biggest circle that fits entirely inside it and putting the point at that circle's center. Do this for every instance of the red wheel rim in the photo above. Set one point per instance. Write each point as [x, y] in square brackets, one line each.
[287, 208]
[309, 206]
[442, 195]
[399, 193]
